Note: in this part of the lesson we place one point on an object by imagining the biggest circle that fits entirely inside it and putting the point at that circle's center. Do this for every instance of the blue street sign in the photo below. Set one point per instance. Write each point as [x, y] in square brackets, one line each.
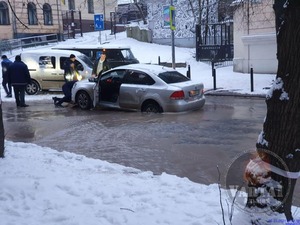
[98, 22]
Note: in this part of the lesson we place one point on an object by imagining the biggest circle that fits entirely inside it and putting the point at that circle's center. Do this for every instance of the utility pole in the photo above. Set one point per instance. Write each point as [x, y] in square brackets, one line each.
[104, 16]
[172, 37]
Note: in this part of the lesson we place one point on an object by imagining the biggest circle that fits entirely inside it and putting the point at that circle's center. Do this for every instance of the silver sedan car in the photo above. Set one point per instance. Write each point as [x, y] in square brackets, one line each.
[141, 87]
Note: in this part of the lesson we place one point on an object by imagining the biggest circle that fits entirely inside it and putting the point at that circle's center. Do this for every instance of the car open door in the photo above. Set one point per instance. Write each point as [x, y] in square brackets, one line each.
[110, 83]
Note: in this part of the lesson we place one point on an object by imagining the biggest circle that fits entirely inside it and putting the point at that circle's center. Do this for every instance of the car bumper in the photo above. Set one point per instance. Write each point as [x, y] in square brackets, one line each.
[184, 105]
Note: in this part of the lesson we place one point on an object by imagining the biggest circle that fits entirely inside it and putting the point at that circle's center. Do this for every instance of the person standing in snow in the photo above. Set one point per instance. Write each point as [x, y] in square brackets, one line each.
[19, 77]
[5, 64]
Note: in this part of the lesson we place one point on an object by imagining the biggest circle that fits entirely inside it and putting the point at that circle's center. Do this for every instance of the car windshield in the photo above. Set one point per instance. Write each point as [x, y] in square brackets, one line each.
[171, 77]
[127, 54]
[85, 59]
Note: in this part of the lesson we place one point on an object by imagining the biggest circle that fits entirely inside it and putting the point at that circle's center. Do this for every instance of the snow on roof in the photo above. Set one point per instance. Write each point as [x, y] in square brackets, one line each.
[52, 51]
[104, 46]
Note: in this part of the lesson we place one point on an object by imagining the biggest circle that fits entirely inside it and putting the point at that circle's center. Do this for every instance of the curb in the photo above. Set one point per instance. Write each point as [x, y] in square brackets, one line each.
[213, 92]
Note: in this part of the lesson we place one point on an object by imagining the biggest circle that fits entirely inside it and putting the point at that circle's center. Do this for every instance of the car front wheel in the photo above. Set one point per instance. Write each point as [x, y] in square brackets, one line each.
[151, 107]
[83, 100]
[32, 88]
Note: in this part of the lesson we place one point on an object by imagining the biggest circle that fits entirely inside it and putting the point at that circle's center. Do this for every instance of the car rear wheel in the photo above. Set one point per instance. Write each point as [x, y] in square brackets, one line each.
[32, 88]
[151, 107]
[83, 100]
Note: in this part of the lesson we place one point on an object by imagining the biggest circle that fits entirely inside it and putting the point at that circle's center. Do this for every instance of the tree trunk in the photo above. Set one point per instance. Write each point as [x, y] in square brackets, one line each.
[141, 11]
[281, 129]
[1, 133]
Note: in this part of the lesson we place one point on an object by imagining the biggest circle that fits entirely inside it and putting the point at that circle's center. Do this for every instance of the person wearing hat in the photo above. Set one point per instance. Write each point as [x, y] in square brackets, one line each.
[71, 69]
[19, 77]
[5, 64]
[71, 75]
[100, 65]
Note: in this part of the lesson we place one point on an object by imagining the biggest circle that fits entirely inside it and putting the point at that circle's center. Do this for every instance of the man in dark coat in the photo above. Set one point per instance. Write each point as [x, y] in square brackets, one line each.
[71, 67]
[19, 77]
[5, 64]
[100, 65]
[67, 90]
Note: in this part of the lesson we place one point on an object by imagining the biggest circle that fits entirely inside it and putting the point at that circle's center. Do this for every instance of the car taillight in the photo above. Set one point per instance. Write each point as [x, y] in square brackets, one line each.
[177, 95]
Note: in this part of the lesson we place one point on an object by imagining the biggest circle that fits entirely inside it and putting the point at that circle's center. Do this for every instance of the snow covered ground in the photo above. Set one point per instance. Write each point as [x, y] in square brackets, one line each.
[46, 186]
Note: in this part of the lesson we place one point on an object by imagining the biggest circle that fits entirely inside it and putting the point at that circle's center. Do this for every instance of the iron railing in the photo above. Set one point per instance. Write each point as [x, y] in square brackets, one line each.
[21, 43]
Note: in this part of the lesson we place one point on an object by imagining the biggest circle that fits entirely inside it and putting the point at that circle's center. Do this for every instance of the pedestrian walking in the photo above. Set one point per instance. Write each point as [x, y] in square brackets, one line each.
[5, 64]
[67, 90]
[18, 78]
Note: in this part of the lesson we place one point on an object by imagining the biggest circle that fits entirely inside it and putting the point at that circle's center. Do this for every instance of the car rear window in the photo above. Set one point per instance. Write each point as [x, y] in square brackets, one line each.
[171, 77]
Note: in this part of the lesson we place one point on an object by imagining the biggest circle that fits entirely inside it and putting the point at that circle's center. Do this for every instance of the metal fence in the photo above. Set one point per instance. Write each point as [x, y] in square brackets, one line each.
[214, 42]
[21, 43]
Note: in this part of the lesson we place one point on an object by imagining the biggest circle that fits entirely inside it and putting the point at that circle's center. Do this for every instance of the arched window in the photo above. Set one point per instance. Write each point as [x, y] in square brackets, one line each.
[31, 10]
[4, 16]
[47, 11]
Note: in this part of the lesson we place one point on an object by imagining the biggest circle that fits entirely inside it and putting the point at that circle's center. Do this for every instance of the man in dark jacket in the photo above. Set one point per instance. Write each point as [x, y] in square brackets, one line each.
[71, 67]
[19, 77]
[67, 90]
[100, 65]
[5, 64]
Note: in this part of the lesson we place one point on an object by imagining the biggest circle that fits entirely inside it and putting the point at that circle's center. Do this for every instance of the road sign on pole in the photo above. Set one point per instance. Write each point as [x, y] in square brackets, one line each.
[98, 22]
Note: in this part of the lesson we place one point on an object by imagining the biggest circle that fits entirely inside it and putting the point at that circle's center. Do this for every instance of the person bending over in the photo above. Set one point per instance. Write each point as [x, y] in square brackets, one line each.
[67, 90]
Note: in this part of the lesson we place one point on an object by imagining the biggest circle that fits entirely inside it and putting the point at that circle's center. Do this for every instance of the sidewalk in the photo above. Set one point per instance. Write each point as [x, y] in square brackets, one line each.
[232, 92]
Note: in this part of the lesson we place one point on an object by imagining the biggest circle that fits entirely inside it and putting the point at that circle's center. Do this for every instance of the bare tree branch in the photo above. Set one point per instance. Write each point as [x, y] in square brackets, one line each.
[13, 11]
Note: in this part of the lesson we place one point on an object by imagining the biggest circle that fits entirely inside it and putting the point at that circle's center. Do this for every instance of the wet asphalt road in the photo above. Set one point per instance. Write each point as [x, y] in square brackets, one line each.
[188, 145]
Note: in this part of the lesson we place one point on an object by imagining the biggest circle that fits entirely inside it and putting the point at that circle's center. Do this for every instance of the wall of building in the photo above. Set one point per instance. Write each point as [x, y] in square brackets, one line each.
[88, 17]
[254, 38]
[19, 28]
[6, 32]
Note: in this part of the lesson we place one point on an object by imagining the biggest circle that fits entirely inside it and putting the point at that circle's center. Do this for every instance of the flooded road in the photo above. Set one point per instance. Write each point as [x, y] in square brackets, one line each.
[188, 145]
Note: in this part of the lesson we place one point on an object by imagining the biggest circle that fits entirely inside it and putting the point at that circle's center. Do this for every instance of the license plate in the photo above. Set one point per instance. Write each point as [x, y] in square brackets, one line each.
[193, 93]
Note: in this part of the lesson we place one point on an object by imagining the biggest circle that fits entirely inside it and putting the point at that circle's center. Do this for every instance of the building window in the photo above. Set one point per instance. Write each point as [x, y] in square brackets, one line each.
[90, 6]
[32, 19]
[71, 5]
[4, 16]
[47, 11]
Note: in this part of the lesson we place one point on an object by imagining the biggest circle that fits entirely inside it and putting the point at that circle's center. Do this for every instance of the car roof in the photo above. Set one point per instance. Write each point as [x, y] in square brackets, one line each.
[53, 51]
[148, 68]
[92, 47]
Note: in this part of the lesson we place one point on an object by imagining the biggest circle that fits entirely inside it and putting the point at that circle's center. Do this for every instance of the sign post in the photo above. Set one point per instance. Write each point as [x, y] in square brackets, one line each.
[169, 22]
[99, 24]
[173, 28]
